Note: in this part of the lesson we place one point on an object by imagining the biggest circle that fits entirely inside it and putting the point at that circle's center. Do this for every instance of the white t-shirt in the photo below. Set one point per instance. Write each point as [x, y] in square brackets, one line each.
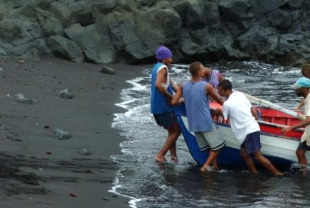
[306, 134]
[238, 108]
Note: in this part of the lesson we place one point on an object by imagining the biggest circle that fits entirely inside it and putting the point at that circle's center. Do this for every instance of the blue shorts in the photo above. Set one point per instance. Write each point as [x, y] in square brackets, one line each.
[303, 146]
[165, 120]
[252, 143]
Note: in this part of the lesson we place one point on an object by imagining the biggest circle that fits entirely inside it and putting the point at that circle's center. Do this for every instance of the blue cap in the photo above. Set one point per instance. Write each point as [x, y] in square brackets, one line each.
[301, 82]
[162, 53]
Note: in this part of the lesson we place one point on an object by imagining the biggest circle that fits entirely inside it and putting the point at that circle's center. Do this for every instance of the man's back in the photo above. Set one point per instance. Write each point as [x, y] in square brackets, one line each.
[197, 106]
[238, 108]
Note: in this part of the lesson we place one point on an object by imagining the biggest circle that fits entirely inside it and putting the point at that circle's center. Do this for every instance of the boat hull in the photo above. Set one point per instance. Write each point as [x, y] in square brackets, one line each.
[279, 149]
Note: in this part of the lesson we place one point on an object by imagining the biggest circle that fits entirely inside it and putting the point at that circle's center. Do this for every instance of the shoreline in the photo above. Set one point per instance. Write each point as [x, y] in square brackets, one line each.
[40, 169]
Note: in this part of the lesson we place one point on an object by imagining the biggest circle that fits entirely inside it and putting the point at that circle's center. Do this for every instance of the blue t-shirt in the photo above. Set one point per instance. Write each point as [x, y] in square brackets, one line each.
[197, 106]
[159, 103]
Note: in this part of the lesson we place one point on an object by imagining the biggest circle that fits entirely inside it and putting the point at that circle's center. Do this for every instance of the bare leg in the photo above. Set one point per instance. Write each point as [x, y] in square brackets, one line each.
[266, 163]
[173, 134]
[248, 161]
[212, 156]
[173, 152]
[301, 155]
[215, 164]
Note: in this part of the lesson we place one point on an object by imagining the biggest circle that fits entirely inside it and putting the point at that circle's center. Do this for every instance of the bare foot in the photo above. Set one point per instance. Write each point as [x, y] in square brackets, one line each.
[161, 159]
[205, 168]
[174, 159]
[215, 168]
[278, 174]
[304, 171]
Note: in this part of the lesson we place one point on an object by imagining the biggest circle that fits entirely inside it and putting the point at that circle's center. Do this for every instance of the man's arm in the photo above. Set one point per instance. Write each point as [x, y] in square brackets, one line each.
[218, 112]
[160, 79]
[221, 77]
[175, 86]
[300, 105]
[212, 92]
[177, 96]
[254, 112]
[304, 123]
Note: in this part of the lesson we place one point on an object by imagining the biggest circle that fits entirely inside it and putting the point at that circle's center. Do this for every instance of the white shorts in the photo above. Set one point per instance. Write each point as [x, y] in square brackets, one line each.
[210, 139]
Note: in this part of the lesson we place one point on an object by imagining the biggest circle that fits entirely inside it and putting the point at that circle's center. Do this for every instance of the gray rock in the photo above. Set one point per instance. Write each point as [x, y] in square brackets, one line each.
[84, 151]
[122, 29]
[283, 19]
[155, 27]
[65, 48]
[61, 135]
[51, 22]
[237, 12]
[20, 98]
[145, 4]
[81, 13]
[137, 52]
[265, 6]
[264, 40]
[98, 49]
[107, 70]
[65, 94]
[131, 30]
[106, 6]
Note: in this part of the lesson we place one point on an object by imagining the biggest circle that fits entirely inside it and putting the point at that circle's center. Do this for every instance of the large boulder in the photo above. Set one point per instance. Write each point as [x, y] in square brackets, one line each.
[81, 12]
[292, 49]
[158, 27]
[237, 13]
[123, 30]
[65, 48]
[131, 30]
[22, 39]
[51, 24]
[261, 7]
[97, 49]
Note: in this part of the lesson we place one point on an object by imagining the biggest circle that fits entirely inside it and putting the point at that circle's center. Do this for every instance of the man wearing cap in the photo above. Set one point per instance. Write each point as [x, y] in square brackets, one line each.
[302, 88]
[161, 95]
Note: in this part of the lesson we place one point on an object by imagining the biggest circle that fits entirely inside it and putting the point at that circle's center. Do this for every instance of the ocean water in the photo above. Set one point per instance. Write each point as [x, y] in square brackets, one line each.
[149, 184]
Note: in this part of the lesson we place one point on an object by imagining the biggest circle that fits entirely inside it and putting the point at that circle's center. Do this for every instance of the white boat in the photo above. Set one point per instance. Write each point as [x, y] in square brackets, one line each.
[279, 148]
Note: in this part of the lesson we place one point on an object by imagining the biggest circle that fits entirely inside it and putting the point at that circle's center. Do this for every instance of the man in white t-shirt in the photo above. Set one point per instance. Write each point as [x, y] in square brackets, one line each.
[242, 117]
[302, 88]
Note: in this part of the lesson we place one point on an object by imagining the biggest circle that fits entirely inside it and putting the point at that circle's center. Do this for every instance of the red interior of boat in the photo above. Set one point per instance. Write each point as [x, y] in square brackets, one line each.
[270, 120]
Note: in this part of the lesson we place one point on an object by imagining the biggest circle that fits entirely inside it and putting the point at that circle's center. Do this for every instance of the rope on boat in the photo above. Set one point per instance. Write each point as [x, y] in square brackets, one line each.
[268, 104]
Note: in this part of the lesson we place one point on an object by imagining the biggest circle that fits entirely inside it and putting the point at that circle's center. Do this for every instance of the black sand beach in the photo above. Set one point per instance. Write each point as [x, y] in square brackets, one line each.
[38, 169]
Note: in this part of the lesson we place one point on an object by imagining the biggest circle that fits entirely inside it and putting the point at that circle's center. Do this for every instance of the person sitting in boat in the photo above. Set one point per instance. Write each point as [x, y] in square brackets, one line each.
[242, 117]
[302, 88]
[161, 95]
[196, 97]
[213, 77]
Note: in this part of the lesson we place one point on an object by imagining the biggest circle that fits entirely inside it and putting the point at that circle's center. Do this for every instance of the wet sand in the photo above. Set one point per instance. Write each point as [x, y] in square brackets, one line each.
[37, 167]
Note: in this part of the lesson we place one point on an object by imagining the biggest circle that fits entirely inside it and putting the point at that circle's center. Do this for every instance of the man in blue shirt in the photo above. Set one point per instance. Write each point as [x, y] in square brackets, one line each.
[196, 97]
[161, 96]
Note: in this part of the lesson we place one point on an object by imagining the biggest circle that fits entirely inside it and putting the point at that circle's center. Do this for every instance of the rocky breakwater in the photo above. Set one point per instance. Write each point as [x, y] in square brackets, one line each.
[130, 30]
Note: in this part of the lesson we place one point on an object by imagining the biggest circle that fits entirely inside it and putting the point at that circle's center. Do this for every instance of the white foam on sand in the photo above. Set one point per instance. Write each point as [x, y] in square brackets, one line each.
[136, 102]
[132, 116]
[132, 202]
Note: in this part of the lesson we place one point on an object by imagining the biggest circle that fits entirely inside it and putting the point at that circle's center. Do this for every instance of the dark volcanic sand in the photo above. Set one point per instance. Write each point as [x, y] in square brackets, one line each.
[37, 168]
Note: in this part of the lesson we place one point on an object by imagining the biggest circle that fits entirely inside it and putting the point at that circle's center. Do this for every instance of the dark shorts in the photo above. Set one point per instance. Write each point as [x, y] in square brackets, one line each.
[252, 143]
[303, 146]
[165, 120]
